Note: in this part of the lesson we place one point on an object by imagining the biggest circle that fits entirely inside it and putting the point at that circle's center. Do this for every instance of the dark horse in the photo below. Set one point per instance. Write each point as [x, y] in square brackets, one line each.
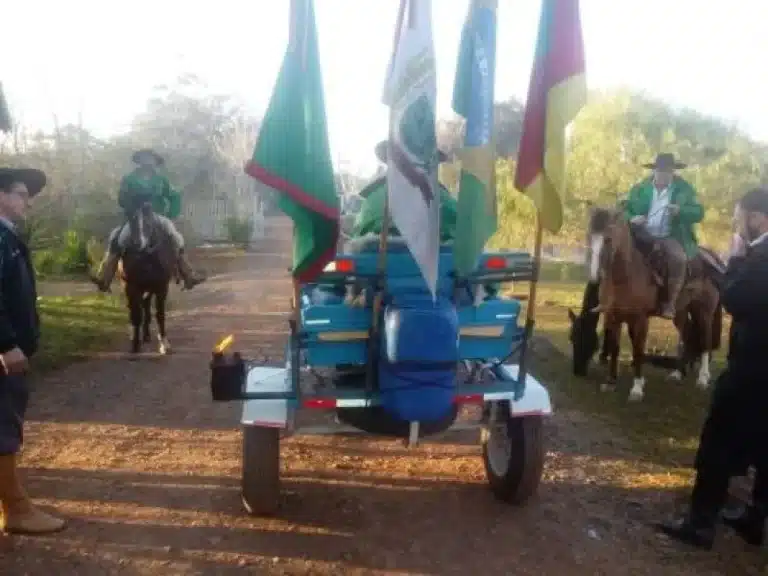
[622, 260]
[147, 267]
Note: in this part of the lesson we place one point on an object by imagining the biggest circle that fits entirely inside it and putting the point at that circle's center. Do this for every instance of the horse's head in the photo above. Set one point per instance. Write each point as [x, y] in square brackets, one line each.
[583, 332]
[141, 224]
[608, 235]
[584, 340]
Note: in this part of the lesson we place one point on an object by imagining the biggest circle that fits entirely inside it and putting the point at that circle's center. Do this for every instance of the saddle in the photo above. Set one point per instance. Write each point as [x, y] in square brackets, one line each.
[705, 263]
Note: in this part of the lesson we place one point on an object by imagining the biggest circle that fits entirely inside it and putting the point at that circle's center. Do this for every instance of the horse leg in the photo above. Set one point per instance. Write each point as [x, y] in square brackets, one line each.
[605, 352]
[681, 323]
[146, 304]
[638, 335]
[706, 322]
[612, 334]
[135, 308]
[160, 300]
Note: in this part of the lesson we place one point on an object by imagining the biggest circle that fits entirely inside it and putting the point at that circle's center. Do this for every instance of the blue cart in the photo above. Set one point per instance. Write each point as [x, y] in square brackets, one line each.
[370, 343]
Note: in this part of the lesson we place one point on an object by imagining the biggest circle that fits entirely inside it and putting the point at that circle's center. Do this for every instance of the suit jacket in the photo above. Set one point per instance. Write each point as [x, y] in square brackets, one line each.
[745, 298]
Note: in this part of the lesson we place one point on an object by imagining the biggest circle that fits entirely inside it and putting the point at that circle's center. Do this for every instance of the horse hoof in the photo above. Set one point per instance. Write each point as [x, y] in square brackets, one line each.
[165, 346]
[636, 393]
[675, 376]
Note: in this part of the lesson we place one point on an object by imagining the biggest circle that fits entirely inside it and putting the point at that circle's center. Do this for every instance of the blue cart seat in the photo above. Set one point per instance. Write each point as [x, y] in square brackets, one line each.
[337, 333]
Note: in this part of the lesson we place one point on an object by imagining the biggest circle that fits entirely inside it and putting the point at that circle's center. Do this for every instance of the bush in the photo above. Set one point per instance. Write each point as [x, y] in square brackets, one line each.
[74, 257]
[240, 230]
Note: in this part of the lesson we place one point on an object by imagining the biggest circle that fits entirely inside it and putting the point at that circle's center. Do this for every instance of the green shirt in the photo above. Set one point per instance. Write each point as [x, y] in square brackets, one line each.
[371, 214]
[683, 195]
[134, 188]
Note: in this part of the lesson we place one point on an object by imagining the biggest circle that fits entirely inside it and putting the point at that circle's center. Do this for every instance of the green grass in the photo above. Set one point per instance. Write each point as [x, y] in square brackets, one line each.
[75, 327]
[665, 426]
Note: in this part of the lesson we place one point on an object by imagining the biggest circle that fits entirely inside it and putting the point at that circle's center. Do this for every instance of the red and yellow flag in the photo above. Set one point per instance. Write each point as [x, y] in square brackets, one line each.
[557, 91]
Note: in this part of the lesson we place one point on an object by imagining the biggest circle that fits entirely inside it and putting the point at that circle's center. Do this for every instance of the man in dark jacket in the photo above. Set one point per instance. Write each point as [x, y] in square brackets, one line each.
[735, 432]
[19, 335]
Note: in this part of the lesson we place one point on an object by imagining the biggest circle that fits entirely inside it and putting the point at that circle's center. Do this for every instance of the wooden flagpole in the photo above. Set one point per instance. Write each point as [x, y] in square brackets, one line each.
[530, 315]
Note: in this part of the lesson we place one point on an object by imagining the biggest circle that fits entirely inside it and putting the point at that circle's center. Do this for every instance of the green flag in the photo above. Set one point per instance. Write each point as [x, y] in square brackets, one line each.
[5, 115]
[292, 154]
[473, 99]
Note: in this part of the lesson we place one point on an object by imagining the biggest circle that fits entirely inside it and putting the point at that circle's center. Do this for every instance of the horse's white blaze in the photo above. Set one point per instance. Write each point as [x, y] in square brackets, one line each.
[638, 389]
[595, 246]
[142, 235]
[702, 381]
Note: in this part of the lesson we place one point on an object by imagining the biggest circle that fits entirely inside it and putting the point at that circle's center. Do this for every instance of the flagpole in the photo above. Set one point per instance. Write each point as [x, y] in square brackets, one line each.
[530, 315]
[381, 263]
[381, 275]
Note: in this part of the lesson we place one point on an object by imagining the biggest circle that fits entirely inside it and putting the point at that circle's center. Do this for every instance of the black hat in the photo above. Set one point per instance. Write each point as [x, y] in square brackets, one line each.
[381, 153]
[665, 161]
[33, 179]
[159, 160]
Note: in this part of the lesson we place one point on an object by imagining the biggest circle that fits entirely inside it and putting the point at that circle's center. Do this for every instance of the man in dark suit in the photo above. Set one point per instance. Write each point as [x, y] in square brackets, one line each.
[19, 335]
[736, 428]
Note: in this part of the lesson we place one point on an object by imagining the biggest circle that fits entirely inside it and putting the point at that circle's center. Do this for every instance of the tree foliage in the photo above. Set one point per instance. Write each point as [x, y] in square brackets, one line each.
[610, 140]
[207, 138]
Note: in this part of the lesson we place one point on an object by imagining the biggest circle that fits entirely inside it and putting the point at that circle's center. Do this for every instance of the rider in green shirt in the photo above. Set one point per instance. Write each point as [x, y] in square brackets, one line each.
[665, 204]
[146, 183]
[371, 215]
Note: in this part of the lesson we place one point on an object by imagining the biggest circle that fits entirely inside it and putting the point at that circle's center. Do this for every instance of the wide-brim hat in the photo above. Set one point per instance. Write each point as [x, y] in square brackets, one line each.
[147, 152]
[381, 153]
[665, 161]
[35, 180]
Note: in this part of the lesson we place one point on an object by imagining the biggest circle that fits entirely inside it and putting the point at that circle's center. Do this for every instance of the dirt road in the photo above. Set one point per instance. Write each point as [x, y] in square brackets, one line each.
[147, 469]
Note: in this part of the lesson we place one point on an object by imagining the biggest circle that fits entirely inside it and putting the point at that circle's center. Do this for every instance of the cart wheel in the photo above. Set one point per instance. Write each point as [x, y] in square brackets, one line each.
[513, 454]
[261, 470]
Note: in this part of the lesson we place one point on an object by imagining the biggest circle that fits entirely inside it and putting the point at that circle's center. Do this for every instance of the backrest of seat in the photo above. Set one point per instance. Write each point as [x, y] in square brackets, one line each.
[402, 273]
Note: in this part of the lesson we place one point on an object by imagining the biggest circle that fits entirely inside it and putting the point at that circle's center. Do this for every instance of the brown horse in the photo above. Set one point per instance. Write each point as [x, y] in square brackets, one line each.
[622, 259]
[147, 267]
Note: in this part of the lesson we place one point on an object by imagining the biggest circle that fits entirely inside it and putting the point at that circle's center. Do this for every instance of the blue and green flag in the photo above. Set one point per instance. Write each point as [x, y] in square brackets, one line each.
[473, 99]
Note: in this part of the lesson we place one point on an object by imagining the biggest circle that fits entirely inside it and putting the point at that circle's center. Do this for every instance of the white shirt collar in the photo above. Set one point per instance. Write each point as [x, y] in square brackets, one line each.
[759, 240]
[8, 224]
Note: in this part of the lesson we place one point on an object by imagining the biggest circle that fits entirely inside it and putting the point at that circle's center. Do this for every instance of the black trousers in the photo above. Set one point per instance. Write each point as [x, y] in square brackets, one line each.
[14, 397]
[731, 440]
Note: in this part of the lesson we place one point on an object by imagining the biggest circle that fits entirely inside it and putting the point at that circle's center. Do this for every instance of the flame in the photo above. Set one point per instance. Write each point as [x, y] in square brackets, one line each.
[224, 344]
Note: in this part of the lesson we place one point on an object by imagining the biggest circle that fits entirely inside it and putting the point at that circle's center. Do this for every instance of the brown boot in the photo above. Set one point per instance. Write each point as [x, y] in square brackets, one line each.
[190, 277]
[106, 273]
[20, 516]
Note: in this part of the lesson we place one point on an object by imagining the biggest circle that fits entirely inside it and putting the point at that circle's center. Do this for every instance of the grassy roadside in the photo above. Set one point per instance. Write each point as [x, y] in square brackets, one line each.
[664, 427]
[73, 327]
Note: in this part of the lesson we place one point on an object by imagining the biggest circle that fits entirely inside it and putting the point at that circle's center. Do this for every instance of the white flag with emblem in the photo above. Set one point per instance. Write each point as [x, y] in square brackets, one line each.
[411, 93]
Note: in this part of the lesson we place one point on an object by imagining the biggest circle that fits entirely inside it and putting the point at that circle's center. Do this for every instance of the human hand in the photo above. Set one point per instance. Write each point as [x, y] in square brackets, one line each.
[14, 361]
[638, 220]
